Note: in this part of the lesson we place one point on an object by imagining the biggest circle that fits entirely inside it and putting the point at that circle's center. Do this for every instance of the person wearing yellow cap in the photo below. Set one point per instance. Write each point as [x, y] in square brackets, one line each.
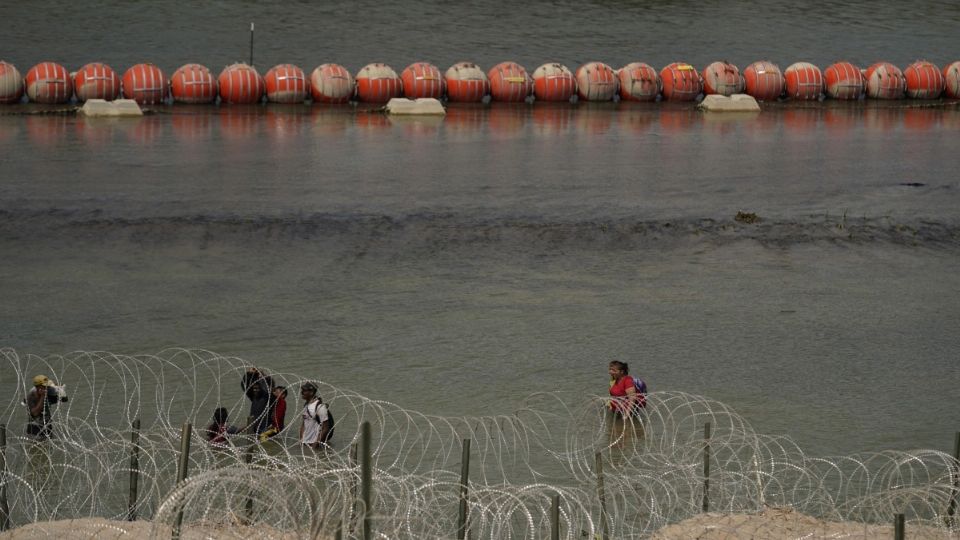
[41, 397]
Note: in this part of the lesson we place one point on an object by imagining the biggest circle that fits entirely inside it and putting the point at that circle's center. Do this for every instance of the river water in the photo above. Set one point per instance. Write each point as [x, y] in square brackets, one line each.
[454, 266]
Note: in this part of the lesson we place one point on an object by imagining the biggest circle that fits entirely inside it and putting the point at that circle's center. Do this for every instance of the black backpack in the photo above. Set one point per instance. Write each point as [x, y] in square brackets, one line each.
[316, 417]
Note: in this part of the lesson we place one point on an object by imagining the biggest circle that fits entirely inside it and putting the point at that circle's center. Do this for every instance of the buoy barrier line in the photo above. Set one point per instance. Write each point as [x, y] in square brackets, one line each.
[48, 82]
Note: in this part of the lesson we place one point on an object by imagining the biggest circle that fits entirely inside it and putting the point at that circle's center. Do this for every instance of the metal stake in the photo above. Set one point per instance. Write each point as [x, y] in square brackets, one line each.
[182, 473]
[464, 478]
[952, 510]
[706, 467]
[248, 459]
[134, 470]
[601, 494]
[899, 527]
[366, 480]
[4, 504]
[555, 517]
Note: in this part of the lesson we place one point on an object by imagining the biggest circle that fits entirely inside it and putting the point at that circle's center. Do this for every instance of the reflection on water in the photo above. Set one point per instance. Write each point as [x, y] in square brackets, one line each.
[497, 121]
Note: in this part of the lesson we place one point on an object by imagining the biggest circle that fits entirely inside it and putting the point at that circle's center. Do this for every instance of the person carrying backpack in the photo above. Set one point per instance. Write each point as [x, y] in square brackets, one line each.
[317, 427]
[628, 394]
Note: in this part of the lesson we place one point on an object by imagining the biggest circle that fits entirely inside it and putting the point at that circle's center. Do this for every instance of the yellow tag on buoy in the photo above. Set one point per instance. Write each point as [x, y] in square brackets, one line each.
[515, 79]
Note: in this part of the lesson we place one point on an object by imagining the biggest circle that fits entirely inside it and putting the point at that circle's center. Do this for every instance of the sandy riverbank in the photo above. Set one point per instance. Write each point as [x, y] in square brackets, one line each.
[772, 524]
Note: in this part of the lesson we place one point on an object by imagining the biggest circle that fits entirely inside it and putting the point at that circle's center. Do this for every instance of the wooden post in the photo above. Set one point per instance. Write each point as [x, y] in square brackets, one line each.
[899, 527]
[182, 465]
[555, 517]
[366, 481]
[706, 467]
[602, 495]
[4, 504]
[464, 478]
[134, 470]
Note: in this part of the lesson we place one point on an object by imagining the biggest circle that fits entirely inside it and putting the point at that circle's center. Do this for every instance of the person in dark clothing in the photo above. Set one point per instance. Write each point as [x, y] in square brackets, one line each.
[256, 386]
[218, 431]
[39, 401]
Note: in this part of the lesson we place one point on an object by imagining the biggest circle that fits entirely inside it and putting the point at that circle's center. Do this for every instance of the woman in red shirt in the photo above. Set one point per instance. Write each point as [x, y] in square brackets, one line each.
[622, 390]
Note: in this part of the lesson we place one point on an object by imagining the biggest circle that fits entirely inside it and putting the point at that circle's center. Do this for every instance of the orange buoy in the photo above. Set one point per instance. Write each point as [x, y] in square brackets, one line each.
[763, 80]
[509, 82]
[193, 83]
[466, 83]
[638, 82]
[553, 82]
[240, 84]
[596, 81]
[378, 83]
[804, 81]
[680, 81]
[49, 82]
[422, 80]
[331, 83]
[924, 80]
[951, 80]
[885, 81]
[11, 83]
[286, 83]
[722, 78]
[145, 84]
[96, 81]
[843, 80]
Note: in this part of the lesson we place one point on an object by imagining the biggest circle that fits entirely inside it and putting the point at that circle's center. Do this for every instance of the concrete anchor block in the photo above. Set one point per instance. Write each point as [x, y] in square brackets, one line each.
[120, 107]
[403, 106]
[734, 103]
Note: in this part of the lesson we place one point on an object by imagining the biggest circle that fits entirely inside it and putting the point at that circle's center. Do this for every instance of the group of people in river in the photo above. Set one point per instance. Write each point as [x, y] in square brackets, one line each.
[268, 409]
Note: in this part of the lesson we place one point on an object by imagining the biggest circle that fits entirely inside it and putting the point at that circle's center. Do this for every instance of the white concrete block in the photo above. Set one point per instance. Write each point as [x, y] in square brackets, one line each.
[120, 107]
[734, 103]
[417, 106]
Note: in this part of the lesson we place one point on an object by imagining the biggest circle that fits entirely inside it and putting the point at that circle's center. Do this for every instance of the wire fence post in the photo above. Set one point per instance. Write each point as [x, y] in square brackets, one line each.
[247, 460]
[899, 527]
[555, 517]
[952, 510]
[4, 504]
[366, 480]
[354, 485]
[182, 465]
[706, 467]
[464, 479]
[602, 495]
[134, 470]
